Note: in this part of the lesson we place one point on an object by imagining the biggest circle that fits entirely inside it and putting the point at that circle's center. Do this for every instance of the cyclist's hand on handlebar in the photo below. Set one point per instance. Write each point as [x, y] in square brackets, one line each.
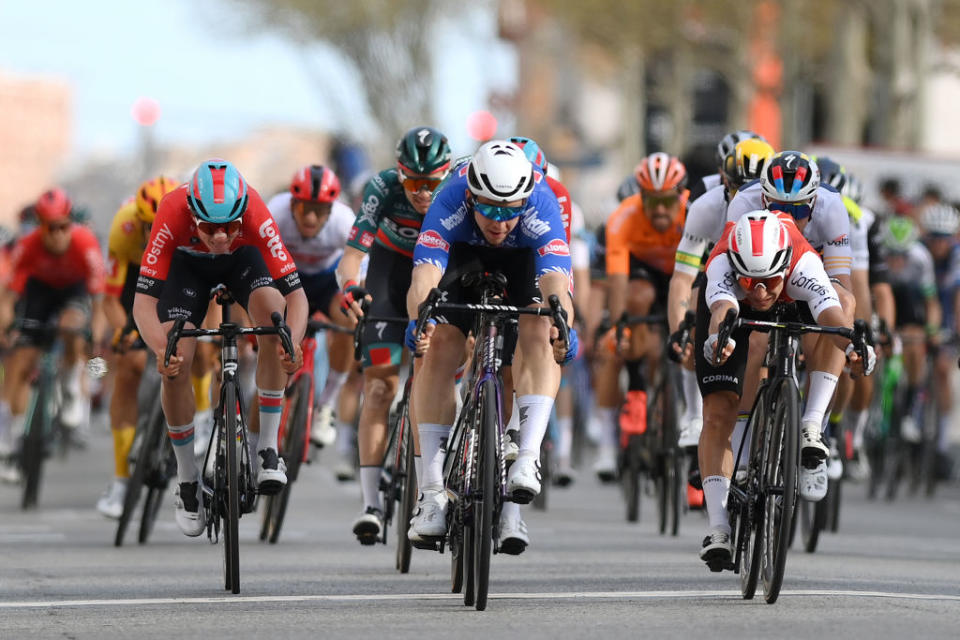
[609, 340]
[564, 353]
[710, 348]
[419, 348]
[680, 353]
[171, 370]
[288, 364]
[857, 365]
[351, 297]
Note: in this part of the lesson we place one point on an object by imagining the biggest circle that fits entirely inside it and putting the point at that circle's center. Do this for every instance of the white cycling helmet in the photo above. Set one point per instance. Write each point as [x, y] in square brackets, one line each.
[759, 245]
[501, 172]
[790, 176]
[940, 219]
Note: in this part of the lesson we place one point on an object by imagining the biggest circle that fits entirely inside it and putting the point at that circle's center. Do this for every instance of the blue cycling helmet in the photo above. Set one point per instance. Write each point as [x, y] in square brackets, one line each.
[217, 192]
[532, 150]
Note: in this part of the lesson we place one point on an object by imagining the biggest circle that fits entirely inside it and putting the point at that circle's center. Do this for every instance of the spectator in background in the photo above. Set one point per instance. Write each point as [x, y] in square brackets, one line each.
[895, 203]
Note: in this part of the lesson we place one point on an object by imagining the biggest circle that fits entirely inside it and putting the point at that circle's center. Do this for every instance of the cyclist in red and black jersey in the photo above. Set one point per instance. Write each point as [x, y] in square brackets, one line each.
[216, 229]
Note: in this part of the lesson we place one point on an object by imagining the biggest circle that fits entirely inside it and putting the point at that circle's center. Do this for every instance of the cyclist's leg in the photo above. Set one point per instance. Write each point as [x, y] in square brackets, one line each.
[605, 418]
[643, 292]
[123, 420]
[915, 367]
[379, 388]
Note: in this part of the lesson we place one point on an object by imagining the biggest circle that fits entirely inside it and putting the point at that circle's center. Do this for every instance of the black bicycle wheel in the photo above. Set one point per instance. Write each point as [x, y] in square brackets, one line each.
[292, 447]
[151, 507]
[780, 462]
[134, 487]
[488, 481]
[631, 477]
[408, 492]
[813, 520]
[750, 529]
[834, 495]
[33, 449]
[231, 547]
[546, 476]
[154, 458]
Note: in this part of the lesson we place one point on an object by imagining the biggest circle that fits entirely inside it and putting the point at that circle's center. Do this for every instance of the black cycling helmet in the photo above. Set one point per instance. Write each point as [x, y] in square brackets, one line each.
[831, 172]
[423, 151]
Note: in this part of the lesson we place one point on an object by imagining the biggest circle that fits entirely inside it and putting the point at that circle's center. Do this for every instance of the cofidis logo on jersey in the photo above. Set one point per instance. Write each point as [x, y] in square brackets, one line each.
[433, 240]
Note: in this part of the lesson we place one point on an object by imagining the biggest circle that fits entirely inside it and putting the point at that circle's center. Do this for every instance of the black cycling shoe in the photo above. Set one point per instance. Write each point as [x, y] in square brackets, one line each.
[717, 551]
[272, 477]
[369, 526]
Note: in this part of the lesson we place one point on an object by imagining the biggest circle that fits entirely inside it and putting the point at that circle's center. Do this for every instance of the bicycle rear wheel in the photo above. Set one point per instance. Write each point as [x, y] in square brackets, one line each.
[750, 530]
[231, 548]
[488, 481]
[631, 477]
[813, 520]
[779, 488]
[292, 446]
[154, 459]
[408, 490]
[134, 487]
[33, 449]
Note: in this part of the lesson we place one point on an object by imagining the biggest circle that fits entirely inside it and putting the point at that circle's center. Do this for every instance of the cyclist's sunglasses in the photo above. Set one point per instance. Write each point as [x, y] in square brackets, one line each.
[797, 210]
[749, 284]
[499, 213]
[211, 228]
[53, 227]
[421, 183]
[666, 200]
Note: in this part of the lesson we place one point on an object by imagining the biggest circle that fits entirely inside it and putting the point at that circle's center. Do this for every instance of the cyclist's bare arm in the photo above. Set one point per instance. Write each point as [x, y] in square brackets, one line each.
[98, 320]
[934, 312]
[148, 322]
[617, 284]
[678, 298]
[557, 284]
[884, 303]
[424, 278]
[113, 310]
[349, 270]
[297, 311]
[861, 291]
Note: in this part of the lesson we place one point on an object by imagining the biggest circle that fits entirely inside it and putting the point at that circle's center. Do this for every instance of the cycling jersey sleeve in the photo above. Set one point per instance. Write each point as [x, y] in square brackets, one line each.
[260, 230]
[722, 282]
[365, 226]
[809, 282]
[618, 226]
[170, 226]
[89, 248]
[445, 223]
[705, 220]
[858, 246]
[579, 245]
[833, 219]
[118, 259]
[542, 229]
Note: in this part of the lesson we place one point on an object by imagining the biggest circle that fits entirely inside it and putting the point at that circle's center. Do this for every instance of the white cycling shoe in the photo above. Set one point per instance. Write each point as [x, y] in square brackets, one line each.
[812, 446]
[523, 482]
[813, 482]
[429, 521]
[909, 430]
[110, 503]
[188, 513]
[322, 431]
[605, 466]
[690, 433]
[513, 535]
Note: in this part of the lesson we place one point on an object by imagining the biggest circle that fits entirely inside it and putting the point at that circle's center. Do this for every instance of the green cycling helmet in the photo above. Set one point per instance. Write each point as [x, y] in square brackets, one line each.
[423, 151]
[899, 234]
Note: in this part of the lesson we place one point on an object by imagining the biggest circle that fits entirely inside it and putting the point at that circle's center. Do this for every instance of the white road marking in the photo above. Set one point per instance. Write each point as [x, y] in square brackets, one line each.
[385, 597]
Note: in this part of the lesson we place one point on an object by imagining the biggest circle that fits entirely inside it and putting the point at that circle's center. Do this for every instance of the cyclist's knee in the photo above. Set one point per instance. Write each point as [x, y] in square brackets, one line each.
[642, 296]
[378, 392]
[262, 302]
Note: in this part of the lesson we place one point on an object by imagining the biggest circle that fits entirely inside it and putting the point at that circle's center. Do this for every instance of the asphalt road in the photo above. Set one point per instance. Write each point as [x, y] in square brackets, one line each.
[892, 572]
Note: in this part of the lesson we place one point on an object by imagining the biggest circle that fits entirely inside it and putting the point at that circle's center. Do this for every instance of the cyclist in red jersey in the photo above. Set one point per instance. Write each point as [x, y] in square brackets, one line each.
[57, 275]
[216, 229]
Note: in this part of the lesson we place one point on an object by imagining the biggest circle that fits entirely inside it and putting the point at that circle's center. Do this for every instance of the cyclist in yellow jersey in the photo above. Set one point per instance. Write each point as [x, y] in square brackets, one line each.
[129, 232]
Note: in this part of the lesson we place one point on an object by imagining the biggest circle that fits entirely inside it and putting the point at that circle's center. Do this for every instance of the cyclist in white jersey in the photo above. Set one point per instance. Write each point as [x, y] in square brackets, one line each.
[315, 225]
[791, 184]
[705, 221]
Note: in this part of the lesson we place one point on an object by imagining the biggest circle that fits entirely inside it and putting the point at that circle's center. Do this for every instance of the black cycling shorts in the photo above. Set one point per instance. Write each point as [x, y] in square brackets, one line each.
[388, 280]
[640, 270]
[40, 306]
[186, 291]
[911, 305]
[320, 289]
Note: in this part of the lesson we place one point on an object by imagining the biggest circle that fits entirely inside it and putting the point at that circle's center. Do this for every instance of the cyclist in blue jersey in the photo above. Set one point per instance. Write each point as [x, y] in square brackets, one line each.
[495, 213]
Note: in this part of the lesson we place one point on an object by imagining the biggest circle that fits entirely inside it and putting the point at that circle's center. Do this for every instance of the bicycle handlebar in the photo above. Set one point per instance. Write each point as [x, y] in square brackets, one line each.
[279, 329]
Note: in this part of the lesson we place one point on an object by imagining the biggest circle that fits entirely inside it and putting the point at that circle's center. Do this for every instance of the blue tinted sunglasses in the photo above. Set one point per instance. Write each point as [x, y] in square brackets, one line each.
[499, 212]
[799, 211]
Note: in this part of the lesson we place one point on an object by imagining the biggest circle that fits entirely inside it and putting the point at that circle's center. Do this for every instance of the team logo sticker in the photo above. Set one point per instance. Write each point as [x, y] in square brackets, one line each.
[555, 247]
[433, 240]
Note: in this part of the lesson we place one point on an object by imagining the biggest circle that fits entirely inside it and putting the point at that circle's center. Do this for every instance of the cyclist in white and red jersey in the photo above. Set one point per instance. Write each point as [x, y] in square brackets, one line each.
[315, 226]
[216, 229]
[761, 259]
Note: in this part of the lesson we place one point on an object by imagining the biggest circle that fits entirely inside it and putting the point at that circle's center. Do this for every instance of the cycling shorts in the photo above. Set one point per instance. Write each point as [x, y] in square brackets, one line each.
[910, 303]
[320, 288]
[658, 279]
[41, 305]
[186, 291]
[388, 280]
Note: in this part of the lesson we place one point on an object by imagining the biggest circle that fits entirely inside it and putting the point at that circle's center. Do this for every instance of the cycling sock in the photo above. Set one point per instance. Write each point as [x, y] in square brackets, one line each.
[715, 490]
[635, 378]
[331, 389]
[370, 485]
[564, 437]
[201, 390]
[691, 395]
[122, 441]
[182, 439]
[271, 409]
[513, 424]
[433, 440]
[822, 386]
[534, 413]
[609, 420]
[740, 432]
[860, 419]
[345, 432]
[418, 466]
[509, 510]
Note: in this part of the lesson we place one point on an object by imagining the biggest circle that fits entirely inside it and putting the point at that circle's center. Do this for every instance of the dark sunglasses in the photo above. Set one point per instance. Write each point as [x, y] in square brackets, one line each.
[211, 228]
[57, 228]
[656, 200]
[420, 183]
[797, 210]
[749, 284]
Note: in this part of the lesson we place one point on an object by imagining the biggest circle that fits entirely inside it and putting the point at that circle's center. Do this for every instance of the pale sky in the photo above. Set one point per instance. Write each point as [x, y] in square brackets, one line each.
[215, 82]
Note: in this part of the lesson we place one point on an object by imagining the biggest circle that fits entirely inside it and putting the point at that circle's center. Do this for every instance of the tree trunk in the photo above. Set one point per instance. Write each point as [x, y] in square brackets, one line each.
[849, 90]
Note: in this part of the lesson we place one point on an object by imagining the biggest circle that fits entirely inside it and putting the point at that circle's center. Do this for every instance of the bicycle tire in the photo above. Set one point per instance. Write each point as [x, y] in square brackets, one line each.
[834, 494]
[469, 514]
[32, 452]
[231, 548]
[631, 477]
[751, 518]
[151, 507]
[668, 489]
[813, 520]
[294, 442]
[151, 437]
[780, 462]
[134, 488]
[539, 502]
[408, 491]
[488, 481]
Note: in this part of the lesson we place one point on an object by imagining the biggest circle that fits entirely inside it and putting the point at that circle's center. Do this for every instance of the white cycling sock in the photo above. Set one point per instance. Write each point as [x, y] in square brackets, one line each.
[331, 389]
[860, 419]
[509, 510]
[822, 386]
[607, 432]
[182, 439]
[564, 438]
[271, 409]
[513, 424]
[534, 413]
[691, 395]
[715, 490]
[345, 434]
[370, 485]
[433, 440]
[740, 431]
[418, 465]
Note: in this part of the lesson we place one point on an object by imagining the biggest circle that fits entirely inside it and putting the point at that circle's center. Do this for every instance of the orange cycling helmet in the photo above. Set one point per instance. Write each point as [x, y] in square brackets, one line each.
[53, 206]
[149, 195]
[661, 172]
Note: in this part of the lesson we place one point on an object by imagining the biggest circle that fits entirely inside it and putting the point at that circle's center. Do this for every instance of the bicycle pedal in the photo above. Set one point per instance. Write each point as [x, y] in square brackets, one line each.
[429, 544]
[716, 566]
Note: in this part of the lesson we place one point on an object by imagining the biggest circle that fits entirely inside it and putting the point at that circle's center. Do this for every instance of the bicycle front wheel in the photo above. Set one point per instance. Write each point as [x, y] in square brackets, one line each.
[231, 548]
[780, 462]
[488, 481]
[408, 490]
[631, 470]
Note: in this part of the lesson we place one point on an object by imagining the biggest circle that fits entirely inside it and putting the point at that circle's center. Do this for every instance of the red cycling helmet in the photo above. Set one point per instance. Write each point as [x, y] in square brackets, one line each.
[315, 183]
[53, 206]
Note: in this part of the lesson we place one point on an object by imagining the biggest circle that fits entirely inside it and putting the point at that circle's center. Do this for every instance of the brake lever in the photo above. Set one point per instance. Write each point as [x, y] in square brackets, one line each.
[723, 334]
[283, 331]
[172, 338]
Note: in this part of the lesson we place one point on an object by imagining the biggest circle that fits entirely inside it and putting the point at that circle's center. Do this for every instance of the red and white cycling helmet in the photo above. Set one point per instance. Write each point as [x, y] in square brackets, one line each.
[759, 245]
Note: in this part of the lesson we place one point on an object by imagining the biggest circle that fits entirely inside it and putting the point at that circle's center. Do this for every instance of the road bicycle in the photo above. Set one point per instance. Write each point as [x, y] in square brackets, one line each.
[228, 483]
[761, 507]
[474, 468]
[295, 422]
